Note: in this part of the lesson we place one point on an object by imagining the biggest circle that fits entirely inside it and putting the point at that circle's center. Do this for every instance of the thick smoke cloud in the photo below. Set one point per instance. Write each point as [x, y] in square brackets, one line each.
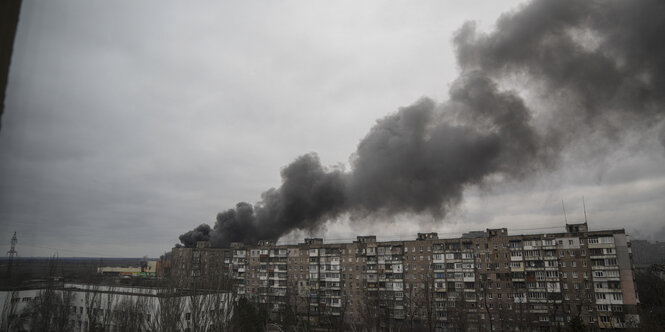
[595, 68]
[200, 233]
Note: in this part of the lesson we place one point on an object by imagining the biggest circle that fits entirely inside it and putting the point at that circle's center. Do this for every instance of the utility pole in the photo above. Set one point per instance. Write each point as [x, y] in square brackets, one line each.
[11, 255]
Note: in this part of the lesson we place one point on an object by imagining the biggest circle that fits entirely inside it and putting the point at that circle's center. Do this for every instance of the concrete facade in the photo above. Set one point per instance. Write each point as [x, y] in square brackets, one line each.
[482, 281]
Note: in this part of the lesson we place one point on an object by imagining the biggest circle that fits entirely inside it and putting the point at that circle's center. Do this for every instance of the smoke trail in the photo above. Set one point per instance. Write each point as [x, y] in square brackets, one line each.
[596, 68]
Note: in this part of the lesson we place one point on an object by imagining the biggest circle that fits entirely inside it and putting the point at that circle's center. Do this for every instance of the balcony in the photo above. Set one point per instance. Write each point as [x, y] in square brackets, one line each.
[601, 245]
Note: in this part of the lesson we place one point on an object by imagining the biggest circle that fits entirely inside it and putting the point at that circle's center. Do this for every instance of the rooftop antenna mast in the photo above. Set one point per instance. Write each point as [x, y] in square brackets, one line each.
[584, 206]
[564, 212]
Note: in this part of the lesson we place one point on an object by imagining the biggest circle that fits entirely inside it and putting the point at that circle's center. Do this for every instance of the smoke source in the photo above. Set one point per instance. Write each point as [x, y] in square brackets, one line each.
[596, 68]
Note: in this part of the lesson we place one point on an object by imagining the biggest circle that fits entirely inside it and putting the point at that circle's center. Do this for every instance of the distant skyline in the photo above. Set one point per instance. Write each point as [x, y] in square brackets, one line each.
[127, 124]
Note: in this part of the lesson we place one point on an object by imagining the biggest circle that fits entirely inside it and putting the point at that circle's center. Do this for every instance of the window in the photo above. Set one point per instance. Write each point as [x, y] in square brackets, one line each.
[607, 239]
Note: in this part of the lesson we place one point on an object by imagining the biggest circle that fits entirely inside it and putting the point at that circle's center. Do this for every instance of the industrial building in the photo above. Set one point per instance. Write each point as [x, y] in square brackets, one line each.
[486, 280]
[148, 269]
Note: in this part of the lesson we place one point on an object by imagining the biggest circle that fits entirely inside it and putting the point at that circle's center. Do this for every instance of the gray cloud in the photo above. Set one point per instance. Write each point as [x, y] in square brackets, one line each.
[422, 158]
[127, 123]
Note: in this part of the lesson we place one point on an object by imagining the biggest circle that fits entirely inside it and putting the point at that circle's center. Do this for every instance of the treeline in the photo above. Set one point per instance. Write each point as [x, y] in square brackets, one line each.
[651, 289]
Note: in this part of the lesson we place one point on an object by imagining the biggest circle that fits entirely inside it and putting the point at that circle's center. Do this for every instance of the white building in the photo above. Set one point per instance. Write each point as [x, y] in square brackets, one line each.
[117, 308]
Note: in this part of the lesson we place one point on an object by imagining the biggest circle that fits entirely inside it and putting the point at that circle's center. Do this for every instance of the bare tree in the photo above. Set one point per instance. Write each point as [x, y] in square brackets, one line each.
[130, 313]
[410, 304]
[426, 299]
[63, 309]
[221, 299]
[93, 303]
[369, 310]
[49, 311]
[297, 308]
[106, 309]
[12, 320]
[457, 313]
[167, 308]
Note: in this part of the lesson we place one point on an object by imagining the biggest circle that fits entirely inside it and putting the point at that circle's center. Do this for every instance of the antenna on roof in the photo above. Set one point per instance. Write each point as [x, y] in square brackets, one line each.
[564, 212]
[584, 206]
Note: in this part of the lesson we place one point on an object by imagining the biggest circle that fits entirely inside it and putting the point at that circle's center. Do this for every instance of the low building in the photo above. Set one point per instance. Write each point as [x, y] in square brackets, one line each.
[147, 269]
[79, 307]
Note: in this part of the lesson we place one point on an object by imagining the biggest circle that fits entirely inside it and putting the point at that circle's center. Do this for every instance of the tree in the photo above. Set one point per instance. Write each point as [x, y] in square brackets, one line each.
[369, 309]
[50, 309]
[166, 314]
[130, 313]
[296, 312]
[652, 298]
[576, 325]
[247, 317]
[99, 301]
[12, 320]
[458, 315]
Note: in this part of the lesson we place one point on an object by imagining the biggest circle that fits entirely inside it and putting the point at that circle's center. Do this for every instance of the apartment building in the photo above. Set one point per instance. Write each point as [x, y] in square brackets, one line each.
[202, 262]
[485, 280]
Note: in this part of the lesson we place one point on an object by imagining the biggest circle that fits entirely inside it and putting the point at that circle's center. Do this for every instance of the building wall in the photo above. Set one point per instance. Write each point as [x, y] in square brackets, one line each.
[202, 262]
[482, 280]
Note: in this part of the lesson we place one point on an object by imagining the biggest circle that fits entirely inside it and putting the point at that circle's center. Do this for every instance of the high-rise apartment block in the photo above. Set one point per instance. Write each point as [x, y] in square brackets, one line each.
[481, 281]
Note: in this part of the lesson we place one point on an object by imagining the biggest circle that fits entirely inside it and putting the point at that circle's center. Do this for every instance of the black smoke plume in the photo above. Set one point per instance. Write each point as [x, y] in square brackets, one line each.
[592, 68]
[200, 233]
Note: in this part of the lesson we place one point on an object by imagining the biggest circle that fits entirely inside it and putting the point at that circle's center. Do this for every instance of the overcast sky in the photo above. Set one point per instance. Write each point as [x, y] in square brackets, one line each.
[128, 123]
